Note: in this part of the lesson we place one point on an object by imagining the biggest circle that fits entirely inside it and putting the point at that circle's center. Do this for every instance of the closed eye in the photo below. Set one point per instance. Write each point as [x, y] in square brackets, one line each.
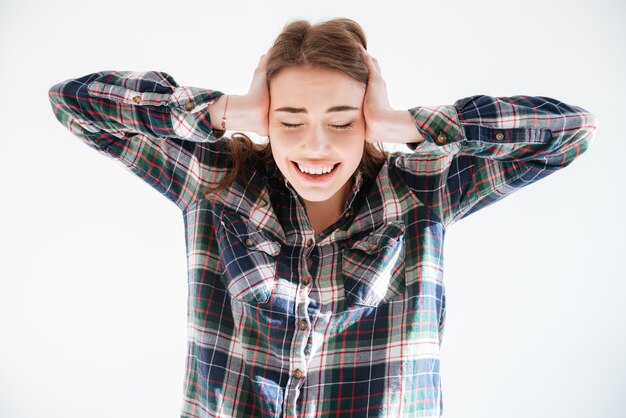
[294, 126]
[289, 125]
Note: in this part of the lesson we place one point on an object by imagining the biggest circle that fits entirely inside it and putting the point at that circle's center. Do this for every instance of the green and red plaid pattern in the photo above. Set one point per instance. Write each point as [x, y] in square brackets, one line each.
[349, 322]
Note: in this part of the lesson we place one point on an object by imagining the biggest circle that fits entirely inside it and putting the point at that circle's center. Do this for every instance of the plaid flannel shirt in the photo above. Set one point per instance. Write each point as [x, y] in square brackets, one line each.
[286, 323]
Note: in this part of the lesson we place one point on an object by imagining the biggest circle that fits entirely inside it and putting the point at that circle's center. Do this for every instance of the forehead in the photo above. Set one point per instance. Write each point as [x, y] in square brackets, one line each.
[299, 86]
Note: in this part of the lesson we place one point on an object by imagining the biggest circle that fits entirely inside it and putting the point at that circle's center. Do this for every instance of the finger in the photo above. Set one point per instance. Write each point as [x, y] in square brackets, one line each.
[262, 64]
[366, 55]
[372, 62]
[377, 66]
[375, 63]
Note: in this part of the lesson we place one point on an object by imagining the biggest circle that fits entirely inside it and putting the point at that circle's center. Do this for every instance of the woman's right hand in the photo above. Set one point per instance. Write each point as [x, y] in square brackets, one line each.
[248, 112]
[257, 100]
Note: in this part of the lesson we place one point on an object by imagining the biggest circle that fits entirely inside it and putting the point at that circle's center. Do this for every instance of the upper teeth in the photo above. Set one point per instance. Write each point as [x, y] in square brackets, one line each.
[315, 170]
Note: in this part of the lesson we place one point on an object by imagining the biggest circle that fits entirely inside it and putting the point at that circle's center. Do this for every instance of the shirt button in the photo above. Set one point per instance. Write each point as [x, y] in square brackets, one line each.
[306, 281]
[499, 136]
[298, 374]
[309, 242]
[190, 105]
[441, 138]
[309, 263]
[249, 242]
[373, 247]
[137, 99]
[303, 325]
[348, 214]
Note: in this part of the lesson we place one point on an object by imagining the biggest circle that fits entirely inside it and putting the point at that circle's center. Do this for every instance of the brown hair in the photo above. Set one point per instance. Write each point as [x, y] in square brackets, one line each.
[332, 44]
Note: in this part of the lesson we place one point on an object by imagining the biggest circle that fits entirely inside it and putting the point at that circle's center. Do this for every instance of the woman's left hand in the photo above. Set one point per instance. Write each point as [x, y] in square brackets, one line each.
[382, 122]
[376, 107]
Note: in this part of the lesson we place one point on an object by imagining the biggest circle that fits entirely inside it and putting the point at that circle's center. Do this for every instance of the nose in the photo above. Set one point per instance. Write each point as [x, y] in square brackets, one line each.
[316, 141]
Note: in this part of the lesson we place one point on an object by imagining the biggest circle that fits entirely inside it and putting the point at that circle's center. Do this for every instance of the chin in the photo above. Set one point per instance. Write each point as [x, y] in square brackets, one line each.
[315, 196]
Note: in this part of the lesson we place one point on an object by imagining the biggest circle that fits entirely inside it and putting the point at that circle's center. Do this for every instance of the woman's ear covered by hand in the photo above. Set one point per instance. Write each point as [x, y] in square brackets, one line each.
[376, 102]
[247, 112]
[258, 98]
[383, 123]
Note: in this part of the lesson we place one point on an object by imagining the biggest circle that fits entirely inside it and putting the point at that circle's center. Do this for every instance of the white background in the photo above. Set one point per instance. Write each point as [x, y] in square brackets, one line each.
[93, 276]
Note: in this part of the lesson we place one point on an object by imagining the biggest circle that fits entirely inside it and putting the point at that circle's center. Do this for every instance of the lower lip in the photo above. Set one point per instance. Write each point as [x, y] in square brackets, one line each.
[316, 178]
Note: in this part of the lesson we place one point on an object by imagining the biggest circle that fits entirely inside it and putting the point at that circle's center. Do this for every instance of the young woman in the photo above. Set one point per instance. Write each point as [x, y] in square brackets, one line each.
[315, 260]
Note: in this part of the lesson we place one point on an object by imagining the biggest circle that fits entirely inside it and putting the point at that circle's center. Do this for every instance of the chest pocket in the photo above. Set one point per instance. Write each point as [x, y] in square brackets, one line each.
[373, 267]
[249, 260]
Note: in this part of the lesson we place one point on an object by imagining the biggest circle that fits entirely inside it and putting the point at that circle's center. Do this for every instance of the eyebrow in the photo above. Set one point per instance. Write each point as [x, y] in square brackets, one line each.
[303, 110]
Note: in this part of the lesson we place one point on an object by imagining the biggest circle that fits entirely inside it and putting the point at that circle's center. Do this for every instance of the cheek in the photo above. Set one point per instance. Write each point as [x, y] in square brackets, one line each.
[281, 146]
[353, 143]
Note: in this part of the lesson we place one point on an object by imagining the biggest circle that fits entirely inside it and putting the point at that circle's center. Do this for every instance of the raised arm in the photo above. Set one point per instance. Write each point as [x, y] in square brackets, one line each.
[482, 148]
[165, 133]
[146, 121]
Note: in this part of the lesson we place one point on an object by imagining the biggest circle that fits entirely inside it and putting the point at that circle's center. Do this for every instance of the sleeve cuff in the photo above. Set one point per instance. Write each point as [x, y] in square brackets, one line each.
[190, 119]
[440, 125]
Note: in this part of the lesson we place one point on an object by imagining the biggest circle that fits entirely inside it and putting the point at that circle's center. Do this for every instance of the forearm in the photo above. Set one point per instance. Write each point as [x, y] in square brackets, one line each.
[240, 114]
[121, 102]
[517, 128]
[482, 148]
[397, 126]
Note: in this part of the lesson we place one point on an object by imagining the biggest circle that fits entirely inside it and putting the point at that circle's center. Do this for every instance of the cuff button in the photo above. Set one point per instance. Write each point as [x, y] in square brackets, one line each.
[499, 136]
[441, 138]
[190, 106]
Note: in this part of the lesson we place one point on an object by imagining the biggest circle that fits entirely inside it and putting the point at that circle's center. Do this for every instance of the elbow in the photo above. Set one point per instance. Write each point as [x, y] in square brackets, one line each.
[588, 130]
[582, 138]
[53, 92]
[593, 124]
[55, 95]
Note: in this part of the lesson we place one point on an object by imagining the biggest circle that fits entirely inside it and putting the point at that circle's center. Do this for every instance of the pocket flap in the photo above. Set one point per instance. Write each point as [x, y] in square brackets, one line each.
[373, 267]
[251, 237]
[260, 243]
[249, 260]
[385, 236]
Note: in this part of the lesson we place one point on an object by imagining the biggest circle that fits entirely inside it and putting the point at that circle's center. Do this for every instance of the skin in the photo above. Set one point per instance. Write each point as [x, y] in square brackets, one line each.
[317, 136]
[314, 136]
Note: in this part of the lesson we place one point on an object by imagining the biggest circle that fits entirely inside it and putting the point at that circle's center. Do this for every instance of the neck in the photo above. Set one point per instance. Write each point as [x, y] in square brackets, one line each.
[325, 213]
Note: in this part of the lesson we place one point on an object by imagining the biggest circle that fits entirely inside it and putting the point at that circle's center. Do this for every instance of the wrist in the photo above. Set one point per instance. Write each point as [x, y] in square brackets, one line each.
[396, 126]
[239, 112]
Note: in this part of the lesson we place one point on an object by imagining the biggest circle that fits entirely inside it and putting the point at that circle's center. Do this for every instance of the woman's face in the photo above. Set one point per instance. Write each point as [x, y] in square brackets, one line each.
[317, 130]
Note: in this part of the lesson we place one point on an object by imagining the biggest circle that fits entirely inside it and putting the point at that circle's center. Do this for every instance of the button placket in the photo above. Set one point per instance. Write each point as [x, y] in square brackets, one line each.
[302, 331]
[301, 336]
[305, 278]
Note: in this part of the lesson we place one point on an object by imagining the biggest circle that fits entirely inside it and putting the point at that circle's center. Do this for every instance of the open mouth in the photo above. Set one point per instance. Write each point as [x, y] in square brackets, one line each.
[315, 174]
